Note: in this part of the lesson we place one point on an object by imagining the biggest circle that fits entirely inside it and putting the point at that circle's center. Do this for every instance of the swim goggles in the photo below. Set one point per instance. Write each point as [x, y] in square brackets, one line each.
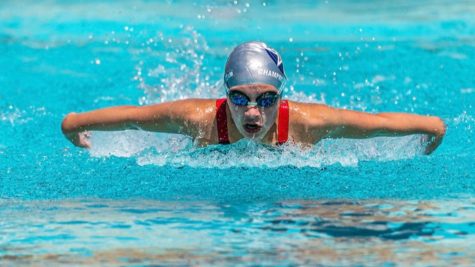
[264, 100]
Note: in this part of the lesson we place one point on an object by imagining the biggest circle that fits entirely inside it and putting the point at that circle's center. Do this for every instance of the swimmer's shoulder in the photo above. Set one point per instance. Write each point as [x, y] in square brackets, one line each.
[310, 113]
[199, 115]
[197, 109]
[310, 122]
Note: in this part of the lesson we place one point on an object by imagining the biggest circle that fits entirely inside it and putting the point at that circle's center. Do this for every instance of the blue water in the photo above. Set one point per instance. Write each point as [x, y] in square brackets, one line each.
[141, 198]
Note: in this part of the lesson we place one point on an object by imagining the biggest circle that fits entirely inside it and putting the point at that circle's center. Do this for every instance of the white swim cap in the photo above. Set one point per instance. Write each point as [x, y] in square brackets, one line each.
[254, 62]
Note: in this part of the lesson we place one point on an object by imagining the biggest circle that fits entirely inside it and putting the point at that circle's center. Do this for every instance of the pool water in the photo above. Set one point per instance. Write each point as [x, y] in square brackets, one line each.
[143, 199]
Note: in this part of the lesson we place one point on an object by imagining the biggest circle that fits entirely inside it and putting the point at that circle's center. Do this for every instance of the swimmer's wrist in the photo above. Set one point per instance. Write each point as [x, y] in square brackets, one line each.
[440, 127]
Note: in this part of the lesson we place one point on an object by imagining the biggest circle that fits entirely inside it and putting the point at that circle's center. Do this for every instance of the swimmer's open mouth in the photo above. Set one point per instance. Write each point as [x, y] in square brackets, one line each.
[252, 127]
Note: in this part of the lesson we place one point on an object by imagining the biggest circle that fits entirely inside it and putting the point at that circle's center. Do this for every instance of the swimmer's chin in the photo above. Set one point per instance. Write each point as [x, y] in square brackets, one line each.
[256, 137]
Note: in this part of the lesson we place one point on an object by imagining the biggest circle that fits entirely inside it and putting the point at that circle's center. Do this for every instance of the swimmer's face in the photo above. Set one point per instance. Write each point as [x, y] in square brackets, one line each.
[253, 120]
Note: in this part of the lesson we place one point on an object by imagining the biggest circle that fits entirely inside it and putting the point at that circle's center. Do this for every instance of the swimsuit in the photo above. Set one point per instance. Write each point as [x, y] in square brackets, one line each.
[222, 122]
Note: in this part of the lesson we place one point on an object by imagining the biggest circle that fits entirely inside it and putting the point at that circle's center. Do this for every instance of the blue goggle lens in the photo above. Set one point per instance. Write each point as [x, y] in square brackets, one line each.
[265, 100]
[238, 99]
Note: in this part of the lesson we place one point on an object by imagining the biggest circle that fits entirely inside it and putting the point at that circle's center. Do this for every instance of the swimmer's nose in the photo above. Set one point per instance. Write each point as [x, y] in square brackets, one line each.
[252, 112]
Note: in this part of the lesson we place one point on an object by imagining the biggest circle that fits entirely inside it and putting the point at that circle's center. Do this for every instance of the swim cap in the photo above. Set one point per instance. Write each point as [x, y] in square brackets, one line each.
[254, 62]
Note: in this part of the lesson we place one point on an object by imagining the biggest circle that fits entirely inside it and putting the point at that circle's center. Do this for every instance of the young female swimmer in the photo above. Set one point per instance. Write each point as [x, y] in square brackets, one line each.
[253, 108]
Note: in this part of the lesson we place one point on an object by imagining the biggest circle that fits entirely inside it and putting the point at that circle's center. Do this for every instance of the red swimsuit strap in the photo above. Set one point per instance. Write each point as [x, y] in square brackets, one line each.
[283, 127]
[222, 121]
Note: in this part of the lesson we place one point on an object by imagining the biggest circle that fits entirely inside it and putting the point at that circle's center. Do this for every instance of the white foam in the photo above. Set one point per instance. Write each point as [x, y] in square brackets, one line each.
[178, 151]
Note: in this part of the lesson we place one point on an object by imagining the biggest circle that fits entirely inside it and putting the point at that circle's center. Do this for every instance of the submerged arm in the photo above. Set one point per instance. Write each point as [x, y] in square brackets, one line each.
[171, 117]
[354, 124]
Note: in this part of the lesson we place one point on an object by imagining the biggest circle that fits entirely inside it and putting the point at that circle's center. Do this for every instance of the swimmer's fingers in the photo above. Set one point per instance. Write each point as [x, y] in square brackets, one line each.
[432, 143]
[84, 139]
[79, 139]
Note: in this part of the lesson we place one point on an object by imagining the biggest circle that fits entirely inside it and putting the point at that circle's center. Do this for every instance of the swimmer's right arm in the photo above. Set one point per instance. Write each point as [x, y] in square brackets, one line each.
[170, 117]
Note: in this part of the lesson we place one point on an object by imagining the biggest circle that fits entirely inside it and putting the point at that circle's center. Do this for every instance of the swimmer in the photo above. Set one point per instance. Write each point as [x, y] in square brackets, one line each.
[254, 78]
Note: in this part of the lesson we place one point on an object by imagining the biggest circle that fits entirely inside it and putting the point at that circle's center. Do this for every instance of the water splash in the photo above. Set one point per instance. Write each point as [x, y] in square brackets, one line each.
[462, 125]
[464, 119]
[247, 153]
[180, 73]
[178, 151]
[13, 115]
[132, 143]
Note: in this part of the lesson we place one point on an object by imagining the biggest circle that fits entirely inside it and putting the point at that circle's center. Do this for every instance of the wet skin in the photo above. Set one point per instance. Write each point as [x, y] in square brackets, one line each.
[308, 122]
[254, 122]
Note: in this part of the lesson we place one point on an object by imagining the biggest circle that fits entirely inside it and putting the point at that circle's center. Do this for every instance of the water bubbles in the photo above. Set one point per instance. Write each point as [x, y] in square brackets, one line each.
[178, 74]
[378, 79]
[13, 115]
[178, 151]
[97, 61]
[319, 82]
[291, 39]
[467, 90]
[463, 118]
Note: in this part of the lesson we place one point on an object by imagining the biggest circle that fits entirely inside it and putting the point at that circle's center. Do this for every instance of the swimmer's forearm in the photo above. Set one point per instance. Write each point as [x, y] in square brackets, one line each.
[108, 119]
[403, 124]
[351, 124]
[120, 118]
[432, 126]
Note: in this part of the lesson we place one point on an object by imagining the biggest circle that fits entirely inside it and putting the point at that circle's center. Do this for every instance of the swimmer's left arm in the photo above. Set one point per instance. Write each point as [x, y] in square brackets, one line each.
[354, 124]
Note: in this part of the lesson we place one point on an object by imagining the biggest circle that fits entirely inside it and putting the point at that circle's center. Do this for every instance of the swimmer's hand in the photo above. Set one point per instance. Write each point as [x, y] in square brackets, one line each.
[79, 139]
[431, 142]
[434, 138]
